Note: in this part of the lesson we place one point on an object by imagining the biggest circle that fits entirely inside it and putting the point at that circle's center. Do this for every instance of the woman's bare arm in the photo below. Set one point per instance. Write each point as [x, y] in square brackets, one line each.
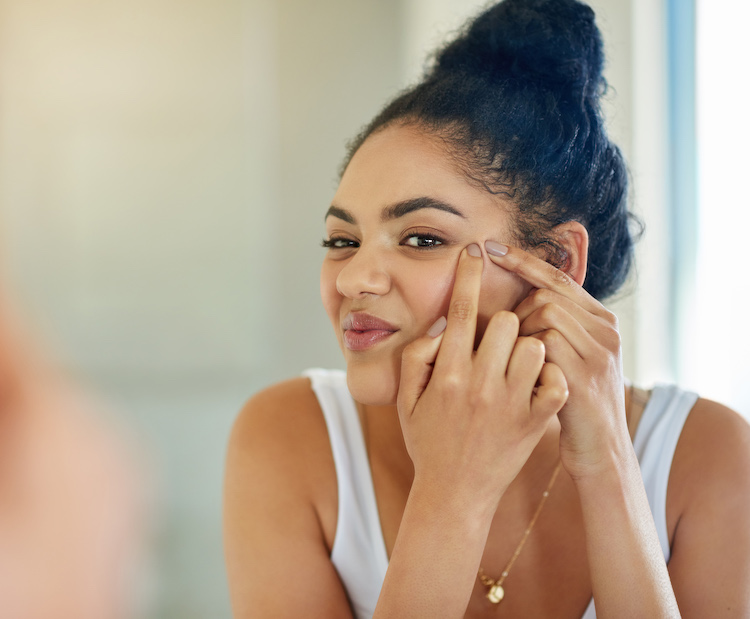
[459, 410]
[711, 471]
[629, 577]
[278, 466]
[709, 500]
[710, 486]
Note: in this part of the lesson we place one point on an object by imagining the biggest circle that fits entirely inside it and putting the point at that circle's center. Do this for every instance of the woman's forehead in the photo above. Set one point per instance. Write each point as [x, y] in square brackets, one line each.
[404, 162]
[402, 150]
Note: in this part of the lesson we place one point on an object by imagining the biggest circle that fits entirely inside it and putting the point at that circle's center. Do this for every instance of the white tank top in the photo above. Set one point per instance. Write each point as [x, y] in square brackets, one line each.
[359, 552]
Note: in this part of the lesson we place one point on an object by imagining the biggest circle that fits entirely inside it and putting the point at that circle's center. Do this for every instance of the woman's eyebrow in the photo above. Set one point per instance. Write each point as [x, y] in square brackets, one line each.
[340, 213]
[415, 204]
[399, 209]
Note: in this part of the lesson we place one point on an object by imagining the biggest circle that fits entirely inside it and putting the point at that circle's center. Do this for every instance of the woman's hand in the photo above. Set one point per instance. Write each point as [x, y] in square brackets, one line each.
[471, 419]
[580, 336]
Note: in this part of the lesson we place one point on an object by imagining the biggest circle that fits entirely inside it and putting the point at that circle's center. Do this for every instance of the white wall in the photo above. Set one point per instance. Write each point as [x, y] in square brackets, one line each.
[134, 152]
[133, 143]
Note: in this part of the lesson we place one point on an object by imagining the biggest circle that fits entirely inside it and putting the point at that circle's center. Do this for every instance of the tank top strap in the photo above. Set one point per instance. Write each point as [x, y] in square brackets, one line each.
[655, 443]
[358, 552]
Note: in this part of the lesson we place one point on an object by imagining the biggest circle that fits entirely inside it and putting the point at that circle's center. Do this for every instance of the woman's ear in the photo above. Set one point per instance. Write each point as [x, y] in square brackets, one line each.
[573, 237]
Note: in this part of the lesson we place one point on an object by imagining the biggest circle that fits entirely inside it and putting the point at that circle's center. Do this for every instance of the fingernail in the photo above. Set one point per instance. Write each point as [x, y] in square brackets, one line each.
[496, 249]
[473, 250]
[438, 327]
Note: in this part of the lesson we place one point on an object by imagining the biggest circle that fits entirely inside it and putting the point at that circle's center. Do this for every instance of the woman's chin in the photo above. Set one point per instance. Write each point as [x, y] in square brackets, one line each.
[373, 386]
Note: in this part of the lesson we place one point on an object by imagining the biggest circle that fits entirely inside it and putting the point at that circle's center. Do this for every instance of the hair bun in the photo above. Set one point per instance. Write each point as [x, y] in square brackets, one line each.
[552, 42]
[515, 102]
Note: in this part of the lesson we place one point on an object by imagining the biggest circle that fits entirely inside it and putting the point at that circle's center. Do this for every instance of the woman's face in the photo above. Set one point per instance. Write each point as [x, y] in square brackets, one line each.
[397, 224]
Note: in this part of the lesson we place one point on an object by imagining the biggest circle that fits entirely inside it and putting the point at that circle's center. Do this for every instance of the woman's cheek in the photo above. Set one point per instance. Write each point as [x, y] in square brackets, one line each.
[501, 290]
[431, 294]
[328, 293]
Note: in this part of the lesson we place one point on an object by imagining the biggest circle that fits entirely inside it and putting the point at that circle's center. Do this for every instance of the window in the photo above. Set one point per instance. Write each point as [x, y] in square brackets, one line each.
[714, 305]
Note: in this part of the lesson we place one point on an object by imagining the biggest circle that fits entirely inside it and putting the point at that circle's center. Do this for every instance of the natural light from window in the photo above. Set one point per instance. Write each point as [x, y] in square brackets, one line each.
[717, 342]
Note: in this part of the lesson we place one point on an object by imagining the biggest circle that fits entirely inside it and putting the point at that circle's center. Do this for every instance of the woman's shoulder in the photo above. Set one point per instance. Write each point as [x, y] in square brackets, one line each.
[287, 397]
[709, 426]
[286, 414]
[279, 450]
[280, 501]
[709, 496]
[711, 416]
[712, 459]
[714, 439]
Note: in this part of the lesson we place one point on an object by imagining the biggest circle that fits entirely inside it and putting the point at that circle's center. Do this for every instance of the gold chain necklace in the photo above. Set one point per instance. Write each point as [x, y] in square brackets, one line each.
[495, 591]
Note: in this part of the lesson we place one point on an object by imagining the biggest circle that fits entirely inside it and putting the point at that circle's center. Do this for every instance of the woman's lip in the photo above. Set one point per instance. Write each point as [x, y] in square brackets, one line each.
[363, 331]
[362, 340]
[360, 321]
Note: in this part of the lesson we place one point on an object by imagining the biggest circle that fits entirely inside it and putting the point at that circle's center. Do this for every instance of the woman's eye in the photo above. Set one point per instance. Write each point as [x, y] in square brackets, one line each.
[422, 241]
[338, 243]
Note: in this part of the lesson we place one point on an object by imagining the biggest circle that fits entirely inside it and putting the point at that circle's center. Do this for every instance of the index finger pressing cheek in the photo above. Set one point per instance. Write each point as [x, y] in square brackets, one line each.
[458, 339]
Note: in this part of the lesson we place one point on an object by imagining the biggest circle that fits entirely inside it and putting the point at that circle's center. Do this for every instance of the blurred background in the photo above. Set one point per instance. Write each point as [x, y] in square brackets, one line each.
[164, 170]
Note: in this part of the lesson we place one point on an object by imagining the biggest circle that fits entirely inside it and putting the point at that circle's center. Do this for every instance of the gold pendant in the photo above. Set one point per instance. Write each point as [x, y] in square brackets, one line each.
[496, 594]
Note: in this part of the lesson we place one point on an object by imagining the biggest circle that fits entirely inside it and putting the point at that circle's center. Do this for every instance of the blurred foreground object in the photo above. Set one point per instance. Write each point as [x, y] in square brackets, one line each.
[71, 506]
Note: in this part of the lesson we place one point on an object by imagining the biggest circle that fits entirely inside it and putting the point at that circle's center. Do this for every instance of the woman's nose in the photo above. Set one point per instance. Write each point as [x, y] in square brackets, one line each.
[364, 273]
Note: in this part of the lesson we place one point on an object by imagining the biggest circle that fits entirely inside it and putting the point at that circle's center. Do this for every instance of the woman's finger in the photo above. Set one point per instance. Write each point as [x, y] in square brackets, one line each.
[551, 393]
[552, 317]
[558, 350]
[541, 274]
[417, 362]
[525, 364]
[458, 341]
[545, 309]
[497, 344]
[539, 297]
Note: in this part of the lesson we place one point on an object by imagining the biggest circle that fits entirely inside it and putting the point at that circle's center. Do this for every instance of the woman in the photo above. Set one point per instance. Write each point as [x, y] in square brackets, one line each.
[481, 454]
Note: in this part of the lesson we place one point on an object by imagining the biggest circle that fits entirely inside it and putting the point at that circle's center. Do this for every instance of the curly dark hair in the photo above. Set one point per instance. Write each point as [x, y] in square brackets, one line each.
[515, 99]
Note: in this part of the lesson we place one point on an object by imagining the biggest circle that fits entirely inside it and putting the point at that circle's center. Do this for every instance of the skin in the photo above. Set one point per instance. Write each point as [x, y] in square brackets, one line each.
[529, 367]
[386, 274]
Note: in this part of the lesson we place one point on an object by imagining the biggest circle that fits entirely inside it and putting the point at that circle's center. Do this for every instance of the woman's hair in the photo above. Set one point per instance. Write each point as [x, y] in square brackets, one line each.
[515, 100]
